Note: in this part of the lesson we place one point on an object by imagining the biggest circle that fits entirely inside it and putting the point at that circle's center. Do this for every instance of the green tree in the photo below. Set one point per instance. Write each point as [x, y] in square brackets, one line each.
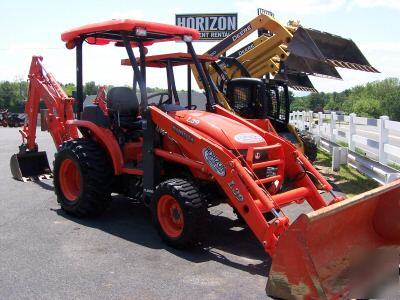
[90, 88]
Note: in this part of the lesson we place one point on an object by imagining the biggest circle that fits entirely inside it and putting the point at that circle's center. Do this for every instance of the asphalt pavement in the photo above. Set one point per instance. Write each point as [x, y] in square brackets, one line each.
[46, 254]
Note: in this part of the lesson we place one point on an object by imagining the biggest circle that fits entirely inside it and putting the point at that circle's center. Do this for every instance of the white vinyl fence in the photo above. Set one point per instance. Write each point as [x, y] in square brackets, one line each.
[375, 142]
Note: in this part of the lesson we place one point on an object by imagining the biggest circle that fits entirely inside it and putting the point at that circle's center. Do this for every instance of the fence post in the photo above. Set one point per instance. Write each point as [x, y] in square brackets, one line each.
[296, 118]
[301, 123]
[310, 121]
[333, 126]
[383, 139]
[352, 131]
[320, 124]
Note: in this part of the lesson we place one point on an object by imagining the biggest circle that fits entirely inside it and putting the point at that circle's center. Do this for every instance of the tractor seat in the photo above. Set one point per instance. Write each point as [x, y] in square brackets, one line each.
[123, 108]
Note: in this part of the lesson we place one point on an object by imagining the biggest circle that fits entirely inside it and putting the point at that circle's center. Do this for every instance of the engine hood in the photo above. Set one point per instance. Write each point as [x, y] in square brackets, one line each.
[223, 130]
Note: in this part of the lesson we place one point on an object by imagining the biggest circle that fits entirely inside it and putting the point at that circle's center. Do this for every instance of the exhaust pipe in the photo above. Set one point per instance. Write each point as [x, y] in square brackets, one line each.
[30, 166]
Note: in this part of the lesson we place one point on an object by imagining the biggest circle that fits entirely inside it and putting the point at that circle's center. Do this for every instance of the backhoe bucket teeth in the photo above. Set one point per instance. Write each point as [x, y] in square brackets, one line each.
[347, 250]
[333, 49]
[30, 165]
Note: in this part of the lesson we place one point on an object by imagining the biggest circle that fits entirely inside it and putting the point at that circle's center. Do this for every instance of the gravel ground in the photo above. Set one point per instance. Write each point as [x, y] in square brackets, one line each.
[45, 253]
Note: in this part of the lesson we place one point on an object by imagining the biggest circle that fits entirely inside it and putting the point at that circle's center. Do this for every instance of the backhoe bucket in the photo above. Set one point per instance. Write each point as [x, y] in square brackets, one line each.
[30, 165]
[347, 250]
[333, 49]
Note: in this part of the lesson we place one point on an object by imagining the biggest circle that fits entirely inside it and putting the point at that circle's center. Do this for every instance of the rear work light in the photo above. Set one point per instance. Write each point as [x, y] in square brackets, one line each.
[187, 38]
[140, 31]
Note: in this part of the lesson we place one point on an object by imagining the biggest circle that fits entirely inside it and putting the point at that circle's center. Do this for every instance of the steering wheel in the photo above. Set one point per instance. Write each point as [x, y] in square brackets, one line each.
[161, 95]
[191, 107]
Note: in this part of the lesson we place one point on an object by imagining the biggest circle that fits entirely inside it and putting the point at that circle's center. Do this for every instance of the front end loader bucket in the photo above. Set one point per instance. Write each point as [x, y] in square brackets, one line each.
[30, 165]
[347, 250]
[298, 82]
[333, 49]
[300, 64]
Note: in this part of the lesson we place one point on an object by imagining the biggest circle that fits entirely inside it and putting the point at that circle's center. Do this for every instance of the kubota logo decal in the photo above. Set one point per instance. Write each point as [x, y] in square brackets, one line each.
[214, 162]
[248, 138]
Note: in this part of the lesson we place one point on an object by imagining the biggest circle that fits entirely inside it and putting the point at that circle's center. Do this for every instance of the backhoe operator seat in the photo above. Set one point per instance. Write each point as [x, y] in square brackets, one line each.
[123, 108]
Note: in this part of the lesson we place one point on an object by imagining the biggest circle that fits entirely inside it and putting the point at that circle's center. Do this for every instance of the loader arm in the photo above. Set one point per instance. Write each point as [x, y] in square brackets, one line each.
[281, 36]
[246, 193]
[258, 58]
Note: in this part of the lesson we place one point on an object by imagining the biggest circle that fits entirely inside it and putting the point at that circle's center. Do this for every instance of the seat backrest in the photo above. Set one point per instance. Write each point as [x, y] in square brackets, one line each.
[122, 100]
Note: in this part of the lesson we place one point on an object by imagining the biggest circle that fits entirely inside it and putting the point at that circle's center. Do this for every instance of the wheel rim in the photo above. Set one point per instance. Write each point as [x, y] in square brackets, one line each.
[70, 179]
[170, 216]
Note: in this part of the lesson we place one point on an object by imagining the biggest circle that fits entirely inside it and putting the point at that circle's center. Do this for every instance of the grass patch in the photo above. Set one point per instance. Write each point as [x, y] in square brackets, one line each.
[348, 179]
[360, 151]
[394, 166]
[323, 159]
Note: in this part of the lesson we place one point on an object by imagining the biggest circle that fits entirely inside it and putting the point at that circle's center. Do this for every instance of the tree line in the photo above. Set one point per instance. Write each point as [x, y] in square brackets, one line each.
[373, 99]
[14, 93]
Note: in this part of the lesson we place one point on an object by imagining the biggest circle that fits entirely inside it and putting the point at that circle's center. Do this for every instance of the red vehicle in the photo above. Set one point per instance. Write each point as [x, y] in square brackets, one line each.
[4, 114]
[170, 157]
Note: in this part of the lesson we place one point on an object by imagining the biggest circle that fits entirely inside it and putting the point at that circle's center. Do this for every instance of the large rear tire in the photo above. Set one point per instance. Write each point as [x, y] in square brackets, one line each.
[82, 178]
[179, 212]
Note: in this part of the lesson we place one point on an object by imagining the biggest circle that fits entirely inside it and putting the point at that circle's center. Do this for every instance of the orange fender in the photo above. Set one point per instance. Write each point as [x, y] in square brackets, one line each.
[107, 139]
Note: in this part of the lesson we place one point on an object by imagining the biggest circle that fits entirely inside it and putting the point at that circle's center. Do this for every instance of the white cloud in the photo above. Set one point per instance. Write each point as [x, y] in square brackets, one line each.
[303, 7]
[311, 7]
[136, 14]
[395, 4]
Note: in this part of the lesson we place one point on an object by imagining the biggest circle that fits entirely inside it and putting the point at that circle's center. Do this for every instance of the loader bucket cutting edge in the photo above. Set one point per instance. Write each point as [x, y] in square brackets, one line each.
[28, 165]
[346, 250]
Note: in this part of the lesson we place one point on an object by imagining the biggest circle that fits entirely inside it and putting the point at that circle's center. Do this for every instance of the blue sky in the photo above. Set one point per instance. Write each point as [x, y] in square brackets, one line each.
[34, 28]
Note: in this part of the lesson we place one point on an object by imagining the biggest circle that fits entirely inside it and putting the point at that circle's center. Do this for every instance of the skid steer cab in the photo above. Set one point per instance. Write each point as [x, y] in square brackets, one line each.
[179, 161]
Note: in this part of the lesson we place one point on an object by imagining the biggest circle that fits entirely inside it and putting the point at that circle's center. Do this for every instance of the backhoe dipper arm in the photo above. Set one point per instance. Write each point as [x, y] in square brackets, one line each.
[42, 85]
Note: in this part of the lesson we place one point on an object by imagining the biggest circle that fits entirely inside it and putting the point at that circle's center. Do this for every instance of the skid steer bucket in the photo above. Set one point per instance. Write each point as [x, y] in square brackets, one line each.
[333, 49]
[298, 82]
[30, 165]
[295, 64]
[347, 250]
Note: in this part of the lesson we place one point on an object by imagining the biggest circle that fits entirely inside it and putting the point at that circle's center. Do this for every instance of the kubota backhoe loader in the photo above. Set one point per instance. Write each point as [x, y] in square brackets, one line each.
[167, 156]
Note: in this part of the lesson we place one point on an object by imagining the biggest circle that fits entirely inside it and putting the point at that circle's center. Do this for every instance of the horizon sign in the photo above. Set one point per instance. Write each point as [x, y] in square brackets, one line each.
[212, 27]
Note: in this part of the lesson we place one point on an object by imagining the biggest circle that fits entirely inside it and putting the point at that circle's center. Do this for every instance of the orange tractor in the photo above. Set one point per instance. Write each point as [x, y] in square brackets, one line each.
[170, 157]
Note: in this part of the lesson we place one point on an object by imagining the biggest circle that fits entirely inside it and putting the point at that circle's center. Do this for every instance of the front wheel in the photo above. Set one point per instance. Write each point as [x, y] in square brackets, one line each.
[179, 212]
[82, 178]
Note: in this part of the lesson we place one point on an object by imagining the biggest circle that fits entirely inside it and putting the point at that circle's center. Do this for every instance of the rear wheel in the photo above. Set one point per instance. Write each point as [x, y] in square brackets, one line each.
[179, 212]
[82, 178]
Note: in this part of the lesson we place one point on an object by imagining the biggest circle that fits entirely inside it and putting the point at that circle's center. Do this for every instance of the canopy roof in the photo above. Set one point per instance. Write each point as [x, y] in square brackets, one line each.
[109, 32]
[176, 59]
